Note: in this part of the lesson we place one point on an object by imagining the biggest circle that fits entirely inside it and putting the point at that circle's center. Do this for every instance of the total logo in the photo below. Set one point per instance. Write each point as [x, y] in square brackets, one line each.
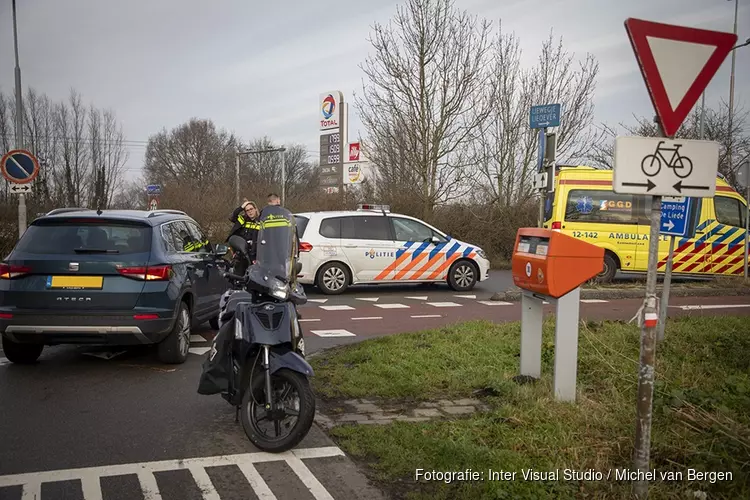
[328, 110]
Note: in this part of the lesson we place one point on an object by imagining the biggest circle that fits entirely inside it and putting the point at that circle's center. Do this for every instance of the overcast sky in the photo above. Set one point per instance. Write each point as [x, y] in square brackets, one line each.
[257, 68]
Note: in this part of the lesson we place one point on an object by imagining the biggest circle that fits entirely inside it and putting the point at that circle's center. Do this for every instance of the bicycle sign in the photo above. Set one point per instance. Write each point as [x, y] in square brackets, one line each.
[664, 167]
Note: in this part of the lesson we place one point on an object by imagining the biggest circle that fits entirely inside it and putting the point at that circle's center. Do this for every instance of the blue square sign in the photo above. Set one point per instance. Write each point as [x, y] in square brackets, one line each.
[545, 116]
[677, 217]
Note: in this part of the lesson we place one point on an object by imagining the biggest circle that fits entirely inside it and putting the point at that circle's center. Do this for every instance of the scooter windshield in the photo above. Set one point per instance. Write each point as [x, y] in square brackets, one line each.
[276, 248]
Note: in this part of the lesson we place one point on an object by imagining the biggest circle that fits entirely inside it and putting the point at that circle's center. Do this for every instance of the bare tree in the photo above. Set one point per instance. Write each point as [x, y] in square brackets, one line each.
[78, 151]
[509, 148]
[114, 155]
[424, 91]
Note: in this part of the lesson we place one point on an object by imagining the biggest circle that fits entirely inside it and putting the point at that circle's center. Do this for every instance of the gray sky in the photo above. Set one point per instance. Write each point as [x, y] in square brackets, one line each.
[257, 68]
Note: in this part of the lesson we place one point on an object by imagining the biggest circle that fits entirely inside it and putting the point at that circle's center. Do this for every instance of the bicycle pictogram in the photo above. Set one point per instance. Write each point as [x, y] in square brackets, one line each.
[681, 165]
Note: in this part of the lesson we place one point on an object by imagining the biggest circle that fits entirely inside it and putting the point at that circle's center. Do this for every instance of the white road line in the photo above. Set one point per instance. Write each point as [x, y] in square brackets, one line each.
[4, 361]
[495, 303]
[337, 308]
[369, 299]
[466, 296]
[711, 306]
[310, 319]
[422, 297]
[90, 477]
[262, 491]
[367, 317]
[444, 304]
[427, 316]
[200, 351]
[392, 306]
[593, 301]
[319, 301]
[333, 333]
[197, 338]
[203, 481]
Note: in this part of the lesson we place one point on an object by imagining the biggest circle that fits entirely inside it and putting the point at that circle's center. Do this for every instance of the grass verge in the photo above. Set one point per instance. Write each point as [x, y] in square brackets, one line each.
[717, 282]
[701, 414]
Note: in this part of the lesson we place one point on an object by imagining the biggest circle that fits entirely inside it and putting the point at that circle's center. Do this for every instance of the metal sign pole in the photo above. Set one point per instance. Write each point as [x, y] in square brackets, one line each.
[283, 175]
[237, 177]
[665, 292]
[540, 169]
[747, 220]
[19, 125]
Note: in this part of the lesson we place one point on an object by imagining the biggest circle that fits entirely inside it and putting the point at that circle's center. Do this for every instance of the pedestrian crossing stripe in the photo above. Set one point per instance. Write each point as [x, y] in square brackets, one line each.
[31, 482]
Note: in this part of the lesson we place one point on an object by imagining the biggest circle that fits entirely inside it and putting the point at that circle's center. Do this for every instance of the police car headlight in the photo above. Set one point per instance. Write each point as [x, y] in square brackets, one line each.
[481, 253]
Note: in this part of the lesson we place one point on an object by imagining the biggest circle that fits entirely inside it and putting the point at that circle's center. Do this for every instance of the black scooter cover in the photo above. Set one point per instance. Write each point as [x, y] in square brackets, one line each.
[217, 368]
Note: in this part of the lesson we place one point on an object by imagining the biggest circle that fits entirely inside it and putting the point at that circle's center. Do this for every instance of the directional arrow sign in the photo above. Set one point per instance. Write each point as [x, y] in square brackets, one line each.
[677, 64]
[665, 167]
[547, 115]
[677, 217]
[20, 188]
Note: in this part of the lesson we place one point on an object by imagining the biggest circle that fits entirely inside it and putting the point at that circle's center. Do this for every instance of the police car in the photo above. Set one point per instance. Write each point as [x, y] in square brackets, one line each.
[371, 245]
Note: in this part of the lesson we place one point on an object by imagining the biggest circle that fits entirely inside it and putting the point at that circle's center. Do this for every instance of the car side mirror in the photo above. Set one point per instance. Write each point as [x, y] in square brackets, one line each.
[221, 250]
[435, 240]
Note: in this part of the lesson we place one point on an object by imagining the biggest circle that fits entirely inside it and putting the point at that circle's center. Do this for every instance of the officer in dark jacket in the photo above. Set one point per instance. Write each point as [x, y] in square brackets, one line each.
[245, 219]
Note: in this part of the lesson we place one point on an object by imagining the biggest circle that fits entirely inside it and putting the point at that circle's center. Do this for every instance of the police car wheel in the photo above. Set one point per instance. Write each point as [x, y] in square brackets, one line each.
[333, 278]
[462, 276]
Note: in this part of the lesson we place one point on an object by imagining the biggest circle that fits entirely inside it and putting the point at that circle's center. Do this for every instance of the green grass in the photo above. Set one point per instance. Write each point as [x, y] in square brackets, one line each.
[701, 408]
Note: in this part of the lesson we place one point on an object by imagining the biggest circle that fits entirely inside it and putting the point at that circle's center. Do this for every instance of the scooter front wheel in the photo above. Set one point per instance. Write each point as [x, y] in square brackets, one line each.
[286, 424]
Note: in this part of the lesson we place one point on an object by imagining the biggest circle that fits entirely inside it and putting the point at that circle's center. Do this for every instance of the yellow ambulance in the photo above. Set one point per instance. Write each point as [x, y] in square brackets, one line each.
[583, 205]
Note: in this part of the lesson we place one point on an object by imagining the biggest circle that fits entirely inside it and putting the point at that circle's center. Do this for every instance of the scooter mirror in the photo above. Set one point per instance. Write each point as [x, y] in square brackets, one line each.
[238, 244]
[297, 267]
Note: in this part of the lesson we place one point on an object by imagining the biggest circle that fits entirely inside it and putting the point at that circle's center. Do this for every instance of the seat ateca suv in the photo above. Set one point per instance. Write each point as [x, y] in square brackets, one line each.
[113, 277]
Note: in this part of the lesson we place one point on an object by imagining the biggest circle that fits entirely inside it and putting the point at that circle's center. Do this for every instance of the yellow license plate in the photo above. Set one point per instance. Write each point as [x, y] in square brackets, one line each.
[76, 282]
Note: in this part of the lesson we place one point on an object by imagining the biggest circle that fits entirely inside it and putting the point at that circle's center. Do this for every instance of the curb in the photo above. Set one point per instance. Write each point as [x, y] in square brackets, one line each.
[638, 293]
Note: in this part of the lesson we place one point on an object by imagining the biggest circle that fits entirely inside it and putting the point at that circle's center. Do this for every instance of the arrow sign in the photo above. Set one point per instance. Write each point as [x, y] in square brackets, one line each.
[23, 188]
[648, 184]
[669, 225]
[677, 64]
[677, 217]
[680, 186]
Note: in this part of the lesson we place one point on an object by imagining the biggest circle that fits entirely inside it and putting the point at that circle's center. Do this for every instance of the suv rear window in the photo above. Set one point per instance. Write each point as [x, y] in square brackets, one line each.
[301, 223]
[71, 236]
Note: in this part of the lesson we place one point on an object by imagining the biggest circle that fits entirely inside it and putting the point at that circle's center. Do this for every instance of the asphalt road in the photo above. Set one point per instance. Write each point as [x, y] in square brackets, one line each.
[133, 424]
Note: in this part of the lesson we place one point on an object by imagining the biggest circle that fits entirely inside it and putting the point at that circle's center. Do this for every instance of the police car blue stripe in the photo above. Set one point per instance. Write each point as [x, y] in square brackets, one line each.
[468, 251]
[420, 249]
[436, 250]
[452, 250]
[401, 251]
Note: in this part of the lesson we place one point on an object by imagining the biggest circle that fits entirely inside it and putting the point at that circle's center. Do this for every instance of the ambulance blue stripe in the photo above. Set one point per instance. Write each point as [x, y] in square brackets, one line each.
[730, 232]
[452, 250]
[708, 235]
[420, 249]
[436, 250]
[401, 251]
[468, 251]
[739, 240]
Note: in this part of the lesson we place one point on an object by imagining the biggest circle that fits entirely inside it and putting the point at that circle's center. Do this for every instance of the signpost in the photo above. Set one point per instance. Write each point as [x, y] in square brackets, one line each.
[332, 140]
[542, 117]
[677, 63]
[20, 167]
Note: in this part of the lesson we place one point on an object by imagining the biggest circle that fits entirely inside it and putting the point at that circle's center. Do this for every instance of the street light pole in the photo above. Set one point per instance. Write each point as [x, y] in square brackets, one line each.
[19, 124]
[731, 89]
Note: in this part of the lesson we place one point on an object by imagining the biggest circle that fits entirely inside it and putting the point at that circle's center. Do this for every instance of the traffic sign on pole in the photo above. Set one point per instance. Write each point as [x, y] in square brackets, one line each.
[19, 166]
[153, 189]
[677, 217]
[662, 167]
[547, 115]
[677, 64]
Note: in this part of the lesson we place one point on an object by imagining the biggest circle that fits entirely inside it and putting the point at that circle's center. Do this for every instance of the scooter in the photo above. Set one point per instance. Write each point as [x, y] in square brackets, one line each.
[255, 361]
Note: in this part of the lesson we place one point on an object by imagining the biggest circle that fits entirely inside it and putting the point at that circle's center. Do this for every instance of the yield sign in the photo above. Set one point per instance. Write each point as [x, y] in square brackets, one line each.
[677, 64]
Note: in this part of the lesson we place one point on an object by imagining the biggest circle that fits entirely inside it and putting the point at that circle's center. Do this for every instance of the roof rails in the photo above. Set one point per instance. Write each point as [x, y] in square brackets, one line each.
[375, 208]
[165, 211]
[65, 210]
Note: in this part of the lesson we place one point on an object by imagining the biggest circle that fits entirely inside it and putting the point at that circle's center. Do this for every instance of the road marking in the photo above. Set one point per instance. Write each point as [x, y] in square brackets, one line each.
[368, 317]
[495, 303]
[310, 319]
[466, 296]
[369, 299]
[197, 338]
[4, 361]
[444, 304]
[392, 306]
[428, 316]
[200, 351]
[31, 482]
[333, 333]
[712, 306]
[337, 308]
[422, 297]
[593, 301]
[319, 301]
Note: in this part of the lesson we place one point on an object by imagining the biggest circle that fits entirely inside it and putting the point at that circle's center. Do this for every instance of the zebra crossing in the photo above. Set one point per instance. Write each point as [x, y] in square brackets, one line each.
[422, 301]
[203, 479]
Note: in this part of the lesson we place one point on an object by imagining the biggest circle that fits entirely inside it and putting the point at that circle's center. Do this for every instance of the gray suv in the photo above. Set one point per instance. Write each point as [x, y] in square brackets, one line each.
[113, 277]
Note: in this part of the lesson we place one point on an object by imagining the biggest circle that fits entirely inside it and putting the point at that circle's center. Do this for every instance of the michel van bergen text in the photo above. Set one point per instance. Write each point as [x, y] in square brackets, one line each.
[571, 475]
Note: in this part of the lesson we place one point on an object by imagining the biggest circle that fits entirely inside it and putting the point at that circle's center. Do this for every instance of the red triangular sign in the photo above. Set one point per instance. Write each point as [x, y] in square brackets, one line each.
[677, 64]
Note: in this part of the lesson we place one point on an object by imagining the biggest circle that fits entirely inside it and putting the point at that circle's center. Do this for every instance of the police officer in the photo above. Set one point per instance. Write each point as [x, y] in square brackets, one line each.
[246, 225]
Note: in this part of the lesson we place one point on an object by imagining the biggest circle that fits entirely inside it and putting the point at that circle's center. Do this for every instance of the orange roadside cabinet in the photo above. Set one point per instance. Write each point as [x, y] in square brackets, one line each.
[551, 266]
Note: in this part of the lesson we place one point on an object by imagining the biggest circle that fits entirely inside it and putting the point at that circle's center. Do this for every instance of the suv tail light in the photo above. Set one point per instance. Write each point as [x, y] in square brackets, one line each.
[557, 225]
[305, 247]
[8, 271]
[147, 273]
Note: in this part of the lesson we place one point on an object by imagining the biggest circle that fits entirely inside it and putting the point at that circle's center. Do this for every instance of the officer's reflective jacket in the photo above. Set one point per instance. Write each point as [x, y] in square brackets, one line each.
[194, 246]
[245, 228]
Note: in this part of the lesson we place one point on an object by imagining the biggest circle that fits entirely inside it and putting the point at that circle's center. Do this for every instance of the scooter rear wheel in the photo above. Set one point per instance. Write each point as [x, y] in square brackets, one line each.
[253, 411]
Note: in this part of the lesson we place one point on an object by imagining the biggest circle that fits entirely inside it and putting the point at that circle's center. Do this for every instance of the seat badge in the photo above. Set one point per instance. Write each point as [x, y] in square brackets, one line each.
[73, 266]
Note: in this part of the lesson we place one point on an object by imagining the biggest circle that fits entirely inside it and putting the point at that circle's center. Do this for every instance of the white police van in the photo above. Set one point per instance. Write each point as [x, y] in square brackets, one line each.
[372, 245]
